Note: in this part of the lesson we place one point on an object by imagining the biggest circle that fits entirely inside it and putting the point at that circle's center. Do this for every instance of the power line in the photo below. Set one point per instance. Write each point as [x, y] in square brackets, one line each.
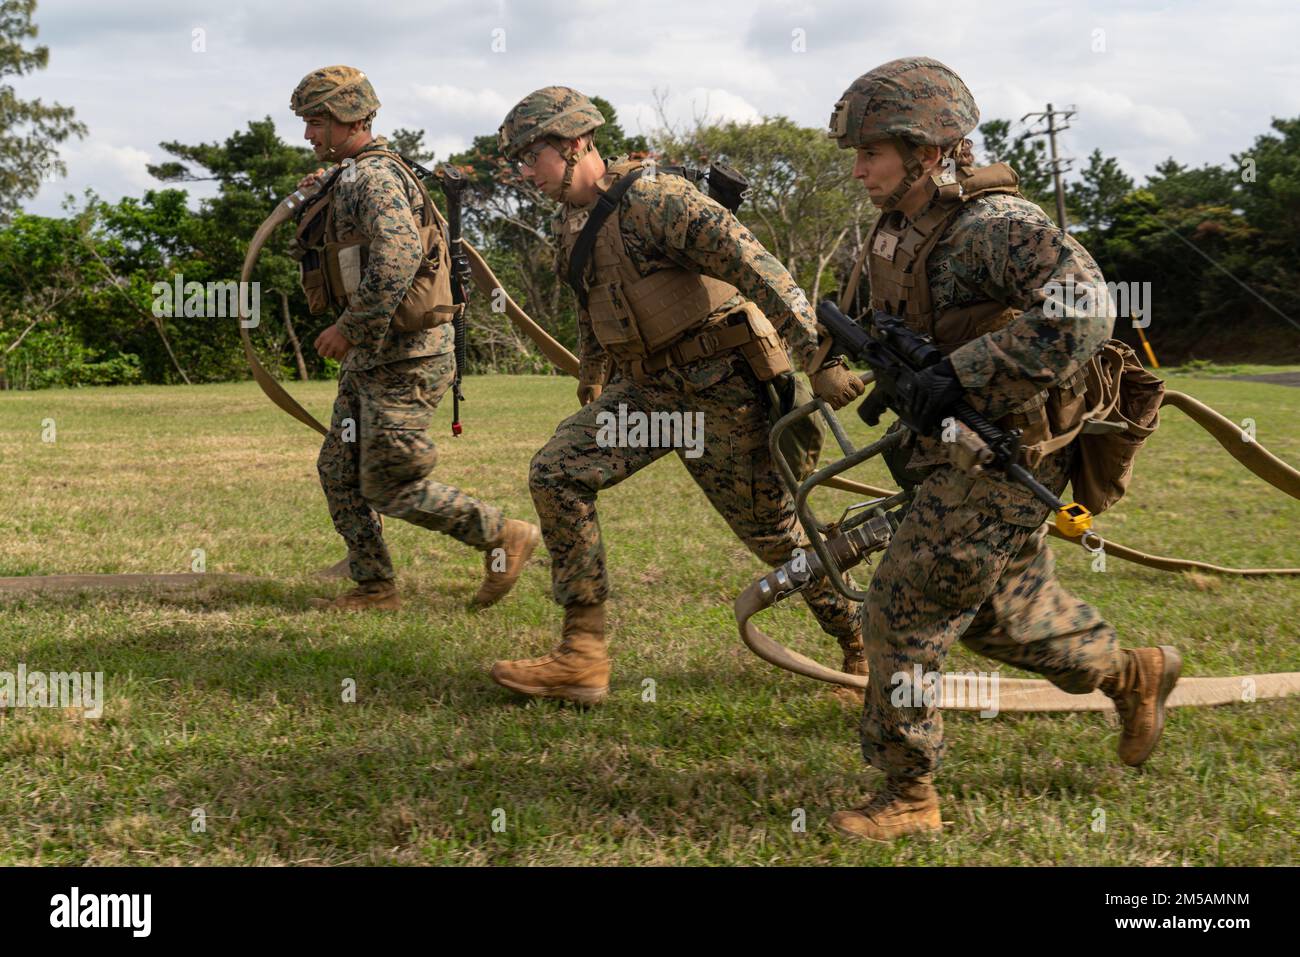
[1059, 163]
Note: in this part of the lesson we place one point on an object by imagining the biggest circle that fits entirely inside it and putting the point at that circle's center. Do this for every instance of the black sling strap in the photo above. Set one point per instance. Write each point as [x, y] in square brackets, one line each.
[606, 203]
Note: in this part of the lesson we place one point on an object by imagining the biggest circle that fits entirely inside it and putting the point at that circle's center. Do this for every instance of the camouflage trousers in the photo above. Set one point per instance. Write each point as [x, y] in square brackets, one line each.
[735, 471]
[377, 454]
[970, 562]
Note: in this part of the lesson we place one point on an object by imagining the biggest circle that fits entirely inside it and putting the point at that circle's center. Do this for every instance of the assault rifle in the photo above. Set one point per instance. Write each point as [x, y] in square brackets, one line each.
[724, 184]
[453, 184]
[895, 354]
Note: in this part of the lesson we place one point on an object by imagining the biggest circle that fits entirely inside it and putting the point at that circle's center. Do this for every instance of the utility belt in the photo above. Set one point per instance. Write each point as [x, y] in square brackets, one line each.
[745, 328]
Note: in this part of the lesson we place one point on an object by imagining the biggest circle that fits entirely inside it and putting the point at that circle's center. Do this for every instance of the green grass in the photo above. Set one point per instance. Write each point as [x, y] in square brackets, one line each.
[228, 697]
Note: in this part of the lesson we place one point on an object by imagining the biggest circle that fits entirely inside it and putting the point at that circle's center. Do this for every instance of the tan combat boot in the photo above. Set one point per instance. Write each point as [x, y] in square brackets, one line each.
[855, 663]
[578, 670]
[1139, 692]
[901, 806]
[518, 539]
[381, 595]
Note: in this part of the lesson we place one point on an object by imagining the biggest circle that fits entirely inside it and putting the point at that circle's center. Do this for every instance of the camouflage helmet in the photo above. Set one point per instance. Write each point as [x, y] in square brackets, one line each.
[550, 111]
[342, 91]
[916, 98]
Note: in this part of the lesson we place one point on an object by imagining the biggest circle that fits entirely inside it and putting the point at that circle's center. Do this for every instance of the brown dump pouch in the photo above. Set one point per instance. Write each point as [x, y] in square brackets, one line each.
[1104, 464]
[801, 444]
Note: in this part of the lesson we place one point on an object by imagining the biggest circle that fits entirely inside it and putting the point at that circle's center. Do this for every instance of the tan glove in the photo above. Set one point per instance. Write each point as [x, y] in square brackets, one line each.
[589, 392]
[835, 383]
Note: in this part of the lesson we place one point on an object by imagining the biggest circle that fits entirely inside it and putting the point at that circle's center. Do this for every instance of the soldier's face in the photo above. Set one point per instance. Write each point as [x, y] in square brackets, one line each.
[543, 166]
[325, 134]
[880, 169]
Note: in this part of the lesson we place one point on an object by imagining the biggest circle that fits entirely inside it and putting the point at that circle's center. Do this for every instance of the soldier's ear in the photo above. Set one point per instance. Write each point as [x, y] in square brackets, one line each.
[929, 156]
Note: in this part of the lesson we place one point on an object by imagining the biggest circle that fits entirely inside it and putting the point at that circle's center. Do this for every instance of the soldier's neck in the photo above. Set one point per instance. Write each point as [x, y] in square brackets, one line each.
[586, 194]
[353, 146]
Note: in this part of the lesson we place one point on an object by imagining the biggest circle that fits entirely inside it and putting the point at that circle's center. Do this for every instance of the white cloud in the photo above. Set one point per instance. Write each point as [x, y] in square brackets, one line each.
[682, 110]
[483, 105]
[1195, 79]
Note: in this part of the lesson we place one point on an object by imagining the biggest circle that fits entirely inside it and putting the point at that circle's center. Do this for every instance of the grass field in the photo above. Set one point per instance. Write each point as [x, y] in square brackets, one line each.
[227, 699]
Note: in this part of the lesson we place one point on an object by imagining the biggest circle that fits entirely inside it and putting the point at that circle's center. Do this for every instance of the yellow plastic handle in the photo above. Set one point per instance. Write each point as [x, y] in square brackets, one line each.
[1073, 520]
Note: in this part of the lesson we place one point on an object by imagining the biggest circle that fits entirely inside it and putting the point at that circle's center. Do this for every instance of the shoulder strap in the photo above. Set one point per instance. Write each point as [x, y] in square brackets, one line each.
[606, 203]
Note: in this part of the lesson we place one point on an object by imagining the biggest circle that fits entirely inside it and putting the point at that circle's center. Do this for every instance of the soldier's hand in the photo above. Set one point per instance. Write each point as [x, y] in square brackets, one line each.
[588, 393]
[331, 343]
[835, 384]
[935, 390]
[311, 179]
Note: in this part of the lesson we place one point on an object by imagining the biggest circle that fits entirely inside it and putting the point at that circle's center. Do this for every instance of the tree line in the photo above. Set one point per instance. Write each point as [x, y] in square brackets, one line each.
[1220, 244]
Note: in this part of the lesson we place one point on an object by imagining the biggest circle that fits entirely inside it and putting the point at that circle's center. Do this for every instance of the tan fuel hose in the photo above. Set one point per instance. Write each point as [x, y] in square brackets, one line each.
[962, 693]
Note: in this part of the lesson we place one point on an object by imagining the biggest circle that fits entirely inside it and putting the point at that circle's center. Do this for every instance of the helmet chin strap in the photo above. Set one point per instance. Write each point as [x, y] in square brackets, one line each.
[331, 150]
[913, 173]
[571, 159]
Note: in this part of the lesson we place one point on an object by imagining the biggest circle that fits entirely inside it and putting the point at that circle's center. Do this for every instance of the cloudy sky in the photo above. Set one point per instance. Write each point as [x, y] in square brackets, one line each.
[1190, 78]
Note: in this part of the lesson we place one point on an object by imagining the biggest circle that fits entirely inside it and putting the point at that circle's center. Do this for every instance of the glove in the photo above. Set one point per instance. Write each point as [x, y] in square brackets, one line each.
[935, 390]
[835, 384]
[588, 392]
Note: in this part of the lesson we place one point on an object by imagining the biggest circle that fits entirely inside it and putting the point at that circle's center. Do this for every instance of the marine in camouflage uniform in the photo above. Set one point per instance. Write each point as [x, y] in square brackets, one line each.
[377, 455]
[970, 562]
[664, 223]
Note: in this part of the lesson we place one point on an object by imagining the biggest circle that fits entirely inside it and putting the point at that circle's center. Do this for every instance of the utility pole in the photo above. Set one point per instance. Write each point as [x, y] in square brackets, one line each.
[1059, 163]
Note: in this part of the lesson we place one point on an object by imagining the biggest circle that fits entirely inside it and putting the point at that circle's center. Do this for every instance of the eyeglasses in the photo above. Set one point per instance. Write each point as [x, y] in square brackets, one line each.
[529, 157]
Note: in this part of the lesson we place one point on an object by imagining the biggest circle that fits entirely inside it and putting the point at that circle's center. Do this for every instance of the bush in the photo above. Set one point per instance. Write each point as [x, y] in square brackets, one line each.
[51, 357]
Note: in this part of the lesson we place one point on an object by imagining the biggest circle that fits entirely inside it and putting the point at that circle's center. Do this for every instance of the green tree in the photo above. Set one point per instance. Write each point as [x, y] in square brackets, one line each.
[803, 204]
[254, 168]
[1027, 156]
[29, 129]
[1102, 184]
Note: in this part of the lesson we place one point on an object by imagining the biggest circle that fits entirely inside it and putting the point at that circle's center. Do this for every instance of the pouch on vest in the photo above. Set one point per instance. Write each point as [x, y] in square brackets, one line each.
[344, 264]
[313, 282]
[429, 302]
[612, 321]
[308, 248]
[765, 350]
